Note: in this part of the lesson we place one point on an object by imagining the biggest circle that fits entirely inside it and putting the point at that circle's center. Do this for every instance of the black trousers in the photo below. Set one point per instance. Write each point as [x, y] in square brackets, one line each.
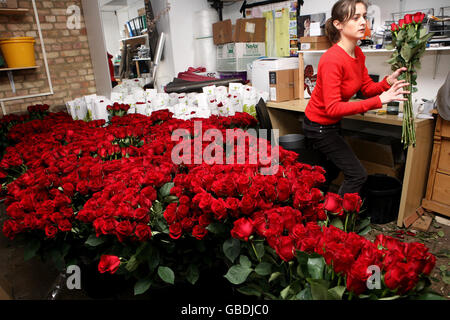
[335, 155]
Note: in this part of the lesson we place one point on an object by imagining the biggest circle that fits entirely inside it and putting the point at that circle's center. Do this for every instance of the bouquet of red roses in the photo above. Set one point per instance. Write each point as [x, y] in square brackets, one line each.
[118, 109]
[409, 39]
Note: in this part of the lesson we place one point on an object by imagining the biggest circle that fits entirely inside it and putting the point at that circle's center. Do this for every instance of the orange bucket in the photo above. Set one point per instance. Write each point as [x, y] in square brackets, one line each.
[18, 52]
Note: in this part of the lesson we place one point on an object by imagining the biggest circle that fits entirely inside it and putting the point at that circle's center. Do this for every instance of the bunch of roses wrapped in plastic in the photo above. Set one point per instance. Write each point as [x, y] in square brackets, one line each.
[81, 193]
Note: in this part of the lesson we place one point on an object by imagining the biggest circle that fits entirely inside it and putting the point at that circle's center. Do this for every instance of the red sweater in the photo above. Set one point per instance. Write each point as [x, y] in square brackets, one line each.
[339, 77]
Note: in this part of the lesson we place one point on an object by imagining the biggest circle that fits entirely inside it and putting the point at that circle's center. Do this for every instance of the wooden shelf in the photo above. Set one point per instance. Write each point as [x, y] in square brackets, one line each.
[14, 69]
[10, 12]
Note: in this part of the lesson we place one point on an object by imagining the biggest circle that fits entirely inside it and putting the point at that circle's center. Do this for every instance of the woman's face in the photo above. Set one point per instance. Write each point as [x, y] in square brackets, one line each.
[355, 27]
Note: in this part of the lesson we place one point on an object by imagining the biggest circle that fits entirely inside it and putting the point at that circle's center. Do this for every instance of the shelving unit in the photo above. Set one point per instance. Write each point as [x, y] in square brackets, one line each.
[9, 71]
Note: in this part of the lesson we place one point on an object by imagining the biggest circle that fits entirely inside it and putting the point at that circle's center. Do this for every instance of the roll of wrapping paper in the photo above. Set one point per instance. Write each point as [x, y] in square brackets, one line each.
[185, 86]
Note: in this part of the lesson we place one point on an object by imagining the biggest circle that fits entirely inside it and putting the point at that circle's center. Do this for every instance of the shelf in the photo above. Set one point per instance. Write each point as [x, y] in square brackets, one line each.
[11, 77]
[142, 59]
[376, 50]
[10, 12]
[133, 38]
[14, 69]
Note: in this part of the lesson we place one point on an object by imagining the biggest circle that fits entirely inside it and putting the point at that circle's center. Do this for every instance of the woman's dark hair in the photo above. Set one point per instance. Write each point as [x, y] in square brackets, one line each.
[342, 11]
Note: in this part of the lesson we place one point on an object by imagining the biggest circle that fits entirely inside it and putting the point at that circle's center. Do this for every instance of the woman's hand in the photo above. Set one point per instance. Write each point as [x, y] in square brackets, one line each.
[393, 77]
[395, 93]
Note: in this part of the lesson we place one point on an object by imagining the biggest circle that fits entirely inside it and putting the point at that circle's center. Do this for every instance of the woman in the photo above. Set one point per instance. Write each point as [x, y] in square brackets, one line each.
[342, 73]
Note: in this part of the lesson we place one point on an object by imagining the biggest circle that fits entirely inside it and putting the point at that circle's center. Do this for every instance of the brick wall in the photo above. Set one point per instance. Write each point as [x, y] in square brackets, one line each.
[67, 51]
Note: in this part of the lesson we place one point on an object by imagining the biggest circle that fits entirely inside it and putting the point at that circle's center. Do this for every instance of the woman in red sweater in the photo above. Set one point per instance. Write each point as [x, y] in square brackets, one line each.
[342, 73]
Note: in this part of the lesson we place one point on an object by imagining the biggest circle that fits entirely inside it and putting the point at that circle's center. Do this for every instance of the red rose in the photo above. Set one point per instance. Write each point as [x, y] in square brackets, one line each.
[199, 232]
[10, 229]
[175, 230]
[232, 204]
[51, 231]
[401, 23]
[142, 215]
[243, 228]
[430, 263]
[408, 18]
[352, 202]
[285, 248]
[171, 213]
[283, 189]
[143, 232]
[418, 17]
[124, 229]
[219, 209]
[108, 263]
[64, 225]
[333, 203]
[68, 189]
[394, 27]
[247, 204]
[204, 220]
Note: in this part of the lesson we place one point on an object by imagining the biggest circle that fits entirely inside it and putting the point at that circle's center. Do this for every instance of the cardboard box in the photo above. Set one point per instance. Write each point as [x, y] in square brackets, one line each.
[283, 85]
[141, 12]
[245, 30]
[222, 32]
[314, 43]
[262, 67]
[233, 57]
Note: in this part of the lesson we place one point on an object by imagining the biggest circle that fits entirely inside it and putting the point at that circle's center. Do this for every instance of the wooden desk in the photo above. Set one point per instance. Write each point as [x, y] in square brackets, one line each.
[282, 115]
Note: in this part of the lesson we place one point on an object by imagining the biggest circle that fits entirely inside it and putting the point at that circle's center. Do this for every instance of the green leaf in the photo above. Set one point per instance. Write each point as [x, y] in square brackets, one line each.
[165, 189]
[430, 296]
[249, 291]
[443, 268]
[58, 259]
[166, 274]
[400, 36]
[411, 33]
[316, 267]
[406, 53]
[365, 231]
[232, 248]
[284, 293]
[152, 257]
[259, 247]
[245, 261]
[363, 223]
[336, 293]
[389, 47]
[422, 32]
[441, 233]
[31, 249]
[217, 228]
[93, 241]
[319, 289]
[157, 208]
[337, 223]
[237, 274]
[132, 264]
[263, 269]
[390, 298]
[142, 286]
[305, 294]
[274, 276]
[192, 274]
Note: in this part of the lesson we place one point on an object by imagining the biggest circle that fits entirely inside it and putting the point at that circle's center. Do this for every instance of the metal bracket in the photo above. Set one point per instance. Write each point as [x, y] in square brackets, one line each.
[11, 81]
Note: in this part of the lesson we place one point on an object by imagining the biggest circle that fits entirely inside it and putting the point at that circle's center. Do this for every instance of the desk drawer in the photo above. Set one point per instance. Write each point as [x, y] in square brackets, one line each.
[444, 157]
[441, 189]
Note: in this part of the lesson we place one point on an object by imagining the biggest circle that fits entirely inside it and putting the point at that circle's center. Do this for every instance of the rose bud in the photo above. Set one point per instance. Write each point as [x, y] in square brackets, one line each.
[394, 27]
[243, 228]
[408, 18]
[401, 23]
[108, 263]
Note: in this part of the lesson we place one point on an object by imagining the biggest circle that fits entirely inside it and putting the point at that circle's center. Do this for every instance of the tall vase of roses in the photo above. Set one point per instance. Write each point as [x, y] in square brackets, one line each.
[409, 39]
